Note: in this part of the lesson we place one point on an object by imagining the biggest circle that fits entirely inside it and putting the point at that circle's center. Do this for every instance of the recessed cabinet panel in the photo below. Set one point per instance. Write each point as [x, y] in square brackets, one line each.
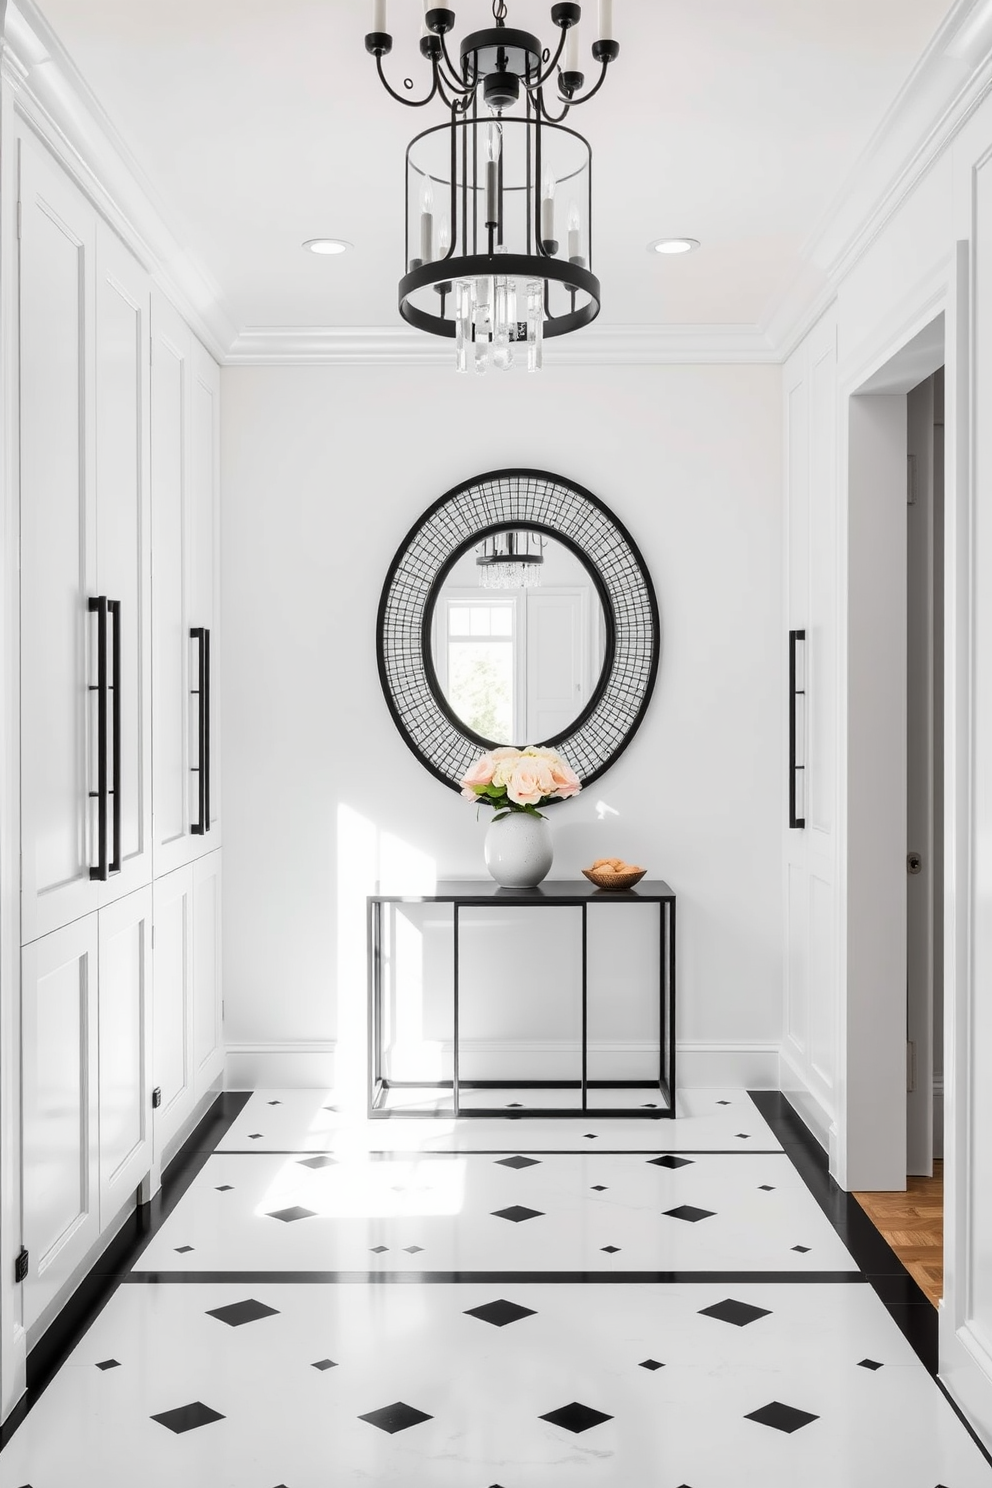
[125, 1042]
[59, 1113]
[172, 1059]
[124, 535]
[208, 1049]
[58, 545]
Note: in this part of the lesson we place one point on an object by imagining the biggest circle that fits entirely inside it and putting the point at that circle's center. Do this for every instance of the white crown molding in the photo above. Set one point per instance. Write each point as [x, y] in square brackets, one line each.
[52, 97]
[947, 85]
[596, 346]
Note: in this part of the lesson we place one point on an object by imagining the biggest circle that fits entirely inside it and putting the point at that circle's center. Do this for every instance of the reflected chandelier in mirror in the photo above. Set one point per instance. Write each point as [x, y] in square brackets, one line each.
[517, 610]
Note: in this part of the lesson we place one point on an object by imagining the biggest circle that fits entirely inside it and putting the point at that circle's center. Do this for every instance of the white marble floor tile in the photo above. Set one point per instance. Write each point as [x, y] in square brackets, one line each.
[315, 1120]
[480, 1212]
[521, 1386]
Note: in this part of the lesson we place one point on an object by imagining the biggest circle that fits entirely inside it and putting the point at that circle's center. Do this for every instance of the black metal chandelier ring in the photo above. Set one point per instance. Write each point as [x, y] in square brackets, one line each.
[442, 275]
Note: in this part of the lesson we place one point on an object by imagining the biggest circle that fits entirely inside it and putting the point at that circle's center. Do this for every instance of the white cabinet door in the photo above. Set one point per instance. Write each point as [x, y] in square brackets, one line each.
[124, 543]
[125, 1019]
[58, 546]
[208, 1046]
[59, 1107]
[170, 400]
[204, 556]
[172, 1057]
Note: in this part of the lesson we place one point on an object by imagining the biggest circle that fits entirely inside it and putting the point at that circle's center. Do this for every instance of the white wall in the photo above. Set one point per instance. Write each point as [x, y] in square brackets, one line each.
[324, 470]
[932, 256]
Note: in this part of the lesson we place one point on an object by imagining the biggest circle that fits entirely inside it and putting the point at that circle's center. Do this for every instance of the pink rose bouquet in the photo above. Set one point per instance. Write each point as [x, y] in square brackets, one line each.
[519, 780]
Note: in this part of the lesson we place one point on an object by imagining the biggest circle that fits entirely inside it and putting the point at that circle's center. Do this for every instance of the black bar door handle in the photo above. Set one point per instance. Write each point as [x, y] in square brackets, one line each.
[201, 769]
[114, 609]
[98, 606]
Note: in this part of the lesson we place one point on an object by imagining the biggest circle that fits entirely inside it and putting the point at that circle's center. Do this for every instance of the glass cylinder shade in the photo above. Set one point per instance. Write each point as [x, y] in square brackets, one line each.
[498, 238]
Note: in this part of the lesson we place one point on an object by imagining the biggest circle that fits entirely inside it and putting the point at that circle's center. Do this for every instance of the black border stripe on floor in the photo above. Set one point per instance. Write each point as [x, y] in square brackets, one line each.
[908, 1306]
[416, 1153]
[493, 1278]
[113, 1264]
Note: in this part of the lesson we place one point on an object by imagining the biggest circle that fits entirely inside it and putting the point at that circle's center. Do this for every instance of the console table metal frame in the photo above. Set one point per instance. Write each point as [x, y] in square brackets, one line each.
[556, 894]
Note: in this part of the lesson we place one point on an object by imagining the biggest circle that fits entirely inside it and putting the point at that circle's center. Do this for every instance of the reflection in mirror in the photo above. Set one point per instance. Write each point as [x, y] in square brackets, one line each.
[518, 638]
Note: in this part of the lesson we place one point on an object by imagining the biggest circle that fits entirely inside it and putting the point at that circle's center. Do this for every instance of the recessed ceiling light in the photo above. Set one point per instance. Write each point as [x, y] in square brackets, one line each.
[673, 245]
[327, 245]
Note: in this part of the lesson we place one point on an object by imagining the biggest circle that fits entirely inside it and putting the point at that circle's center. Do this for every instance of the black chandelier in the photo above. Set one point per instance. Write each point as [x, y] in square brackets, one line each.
[498, 245]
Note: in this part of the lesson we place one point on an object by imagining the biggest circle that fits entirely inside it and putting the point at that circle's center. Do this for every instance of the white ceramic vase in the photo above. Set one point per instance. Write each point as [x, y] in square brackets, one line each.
[518, 850]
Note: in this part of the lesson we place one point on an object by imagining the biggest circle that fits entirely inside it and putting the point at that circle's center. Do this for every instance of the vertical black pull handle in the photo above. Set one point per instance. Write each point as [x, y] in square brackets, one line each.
[205, 704]
[201, 769]
[99, 607]
[114, 609]
[797, 728]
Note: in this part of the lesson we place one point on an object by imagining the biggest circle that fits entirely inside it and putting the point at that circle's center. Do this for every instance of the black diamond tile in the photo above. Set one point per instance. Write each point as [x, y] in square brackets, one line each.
[379, 1249]
[738, 1313]
[500, 1313]
[320, 1161]
[650, 1106]
[514, 1106]
[599, 1188]
[668, 1161]
[224, 1187]
[766, 1187]
[650, 1364]
[872, 1364]
[235, 1314]
[275, 1103]
[689, 1213]
[517, 1162]
[781, 1417]
[323, 1364]
[183, 1249]
[724, 1103]
[397, 1417]
[109, 1364]
[576, 1417]
[610, 1249]
[744, 1136]
[802, 1249]
[188, 1417]
[413, 1249]
[255, 1136]
[517, 1213]
[591, 1136]
[288, 1215]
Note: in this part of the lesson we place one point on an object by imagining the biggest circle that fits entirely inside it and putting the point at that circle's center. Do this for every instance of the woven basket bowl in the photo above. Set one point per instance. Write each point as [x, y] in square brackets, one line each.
[607, 878]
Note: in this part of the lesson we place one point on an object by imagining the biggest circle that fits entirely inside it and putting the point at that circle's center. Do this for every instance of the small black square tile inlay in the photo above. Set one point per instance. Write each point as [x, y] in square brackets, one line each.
[288, 1215]
[766, 1187]
[224, 1187]
[689, 1213]
[599, 1188]
[650, 1364]
[668, 1161]
[109, 1364]
[413, 1249]
[590, 1136]
[724, 1103]
[323, 1364]
[576, 1417]
[869, 1364]
[650, 1106]
[514, 1106]
[744, 1136]
[738, 1313]
[379, 1249]
[397, 1417]
[183, 1249]
[610, 1249]
[320, 1161]
[516, 1213]
[235, 1314]
[255, 1136]
[275, 1103]
[500, 1313]
[802, 1249]
[517, 1162]
[781, 1417]
[188, 1417]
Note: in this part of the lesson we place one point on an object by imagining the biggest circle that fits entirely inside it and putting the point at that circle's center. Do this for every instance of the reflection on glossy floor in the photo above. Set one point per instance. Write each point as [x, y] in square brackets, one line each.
[913, 1224]
[511, 1304]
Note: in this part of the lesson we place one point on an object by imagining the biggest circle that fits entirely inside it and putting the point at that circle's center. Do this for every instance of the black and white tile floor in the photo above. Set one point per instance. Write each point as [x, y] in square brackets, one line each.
[680, 1314]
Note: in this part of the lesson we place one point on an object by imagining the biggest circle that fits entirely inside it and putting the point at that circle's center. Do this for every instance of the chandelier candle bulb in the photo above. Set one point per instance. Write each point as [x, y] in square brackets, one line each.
[574, 235]
[427, 221]
[492, 176]
[379, 15]
[548, 206]
[606, 20]
[572, 50]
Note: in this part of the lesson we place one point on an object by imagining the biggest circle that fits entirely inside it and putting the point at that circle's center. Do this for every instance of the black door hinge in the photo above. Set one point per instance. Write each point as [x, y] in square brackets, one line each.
[21, 1266]
[156, 1097]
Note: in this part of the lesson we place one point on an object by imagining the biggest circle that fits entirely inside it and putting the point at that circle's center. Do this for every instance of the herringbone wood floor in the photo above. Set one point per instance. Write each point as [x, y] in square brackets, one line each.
[913, 1224]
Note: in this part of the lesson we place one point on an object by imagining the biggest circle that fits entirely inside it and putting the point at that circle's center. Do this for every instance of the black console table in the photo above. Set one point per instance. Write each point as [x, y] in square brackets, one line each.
[482, 893]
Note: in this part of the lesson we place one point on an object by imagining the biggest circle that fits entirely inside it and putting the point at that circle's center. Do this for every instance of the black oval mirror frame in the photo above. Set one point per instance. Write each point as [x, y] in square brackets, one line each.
[497, 502]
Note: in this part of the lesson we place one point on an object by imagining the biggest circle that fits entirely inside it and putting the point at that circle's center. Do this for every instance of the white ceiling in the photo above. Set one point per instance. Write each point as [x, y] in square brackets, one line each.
[261, 123]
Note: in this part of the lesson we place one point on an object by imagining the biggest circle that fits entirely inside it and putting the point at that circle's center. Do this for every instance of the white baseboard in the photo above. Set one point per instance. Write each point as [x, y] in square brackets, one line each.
[966, 1374]
[309, 1064]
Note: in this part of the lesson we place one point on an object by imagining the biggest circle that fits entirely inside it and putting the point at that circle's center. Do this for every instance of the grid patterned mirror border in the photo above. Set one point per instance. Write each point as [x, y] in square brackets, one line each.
[500, 500]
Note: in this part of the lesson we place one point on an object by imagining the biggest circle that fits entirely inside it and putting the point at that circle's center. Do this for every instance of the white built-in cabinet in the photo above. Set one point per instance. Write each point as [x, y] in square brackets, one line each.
[120, 893]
